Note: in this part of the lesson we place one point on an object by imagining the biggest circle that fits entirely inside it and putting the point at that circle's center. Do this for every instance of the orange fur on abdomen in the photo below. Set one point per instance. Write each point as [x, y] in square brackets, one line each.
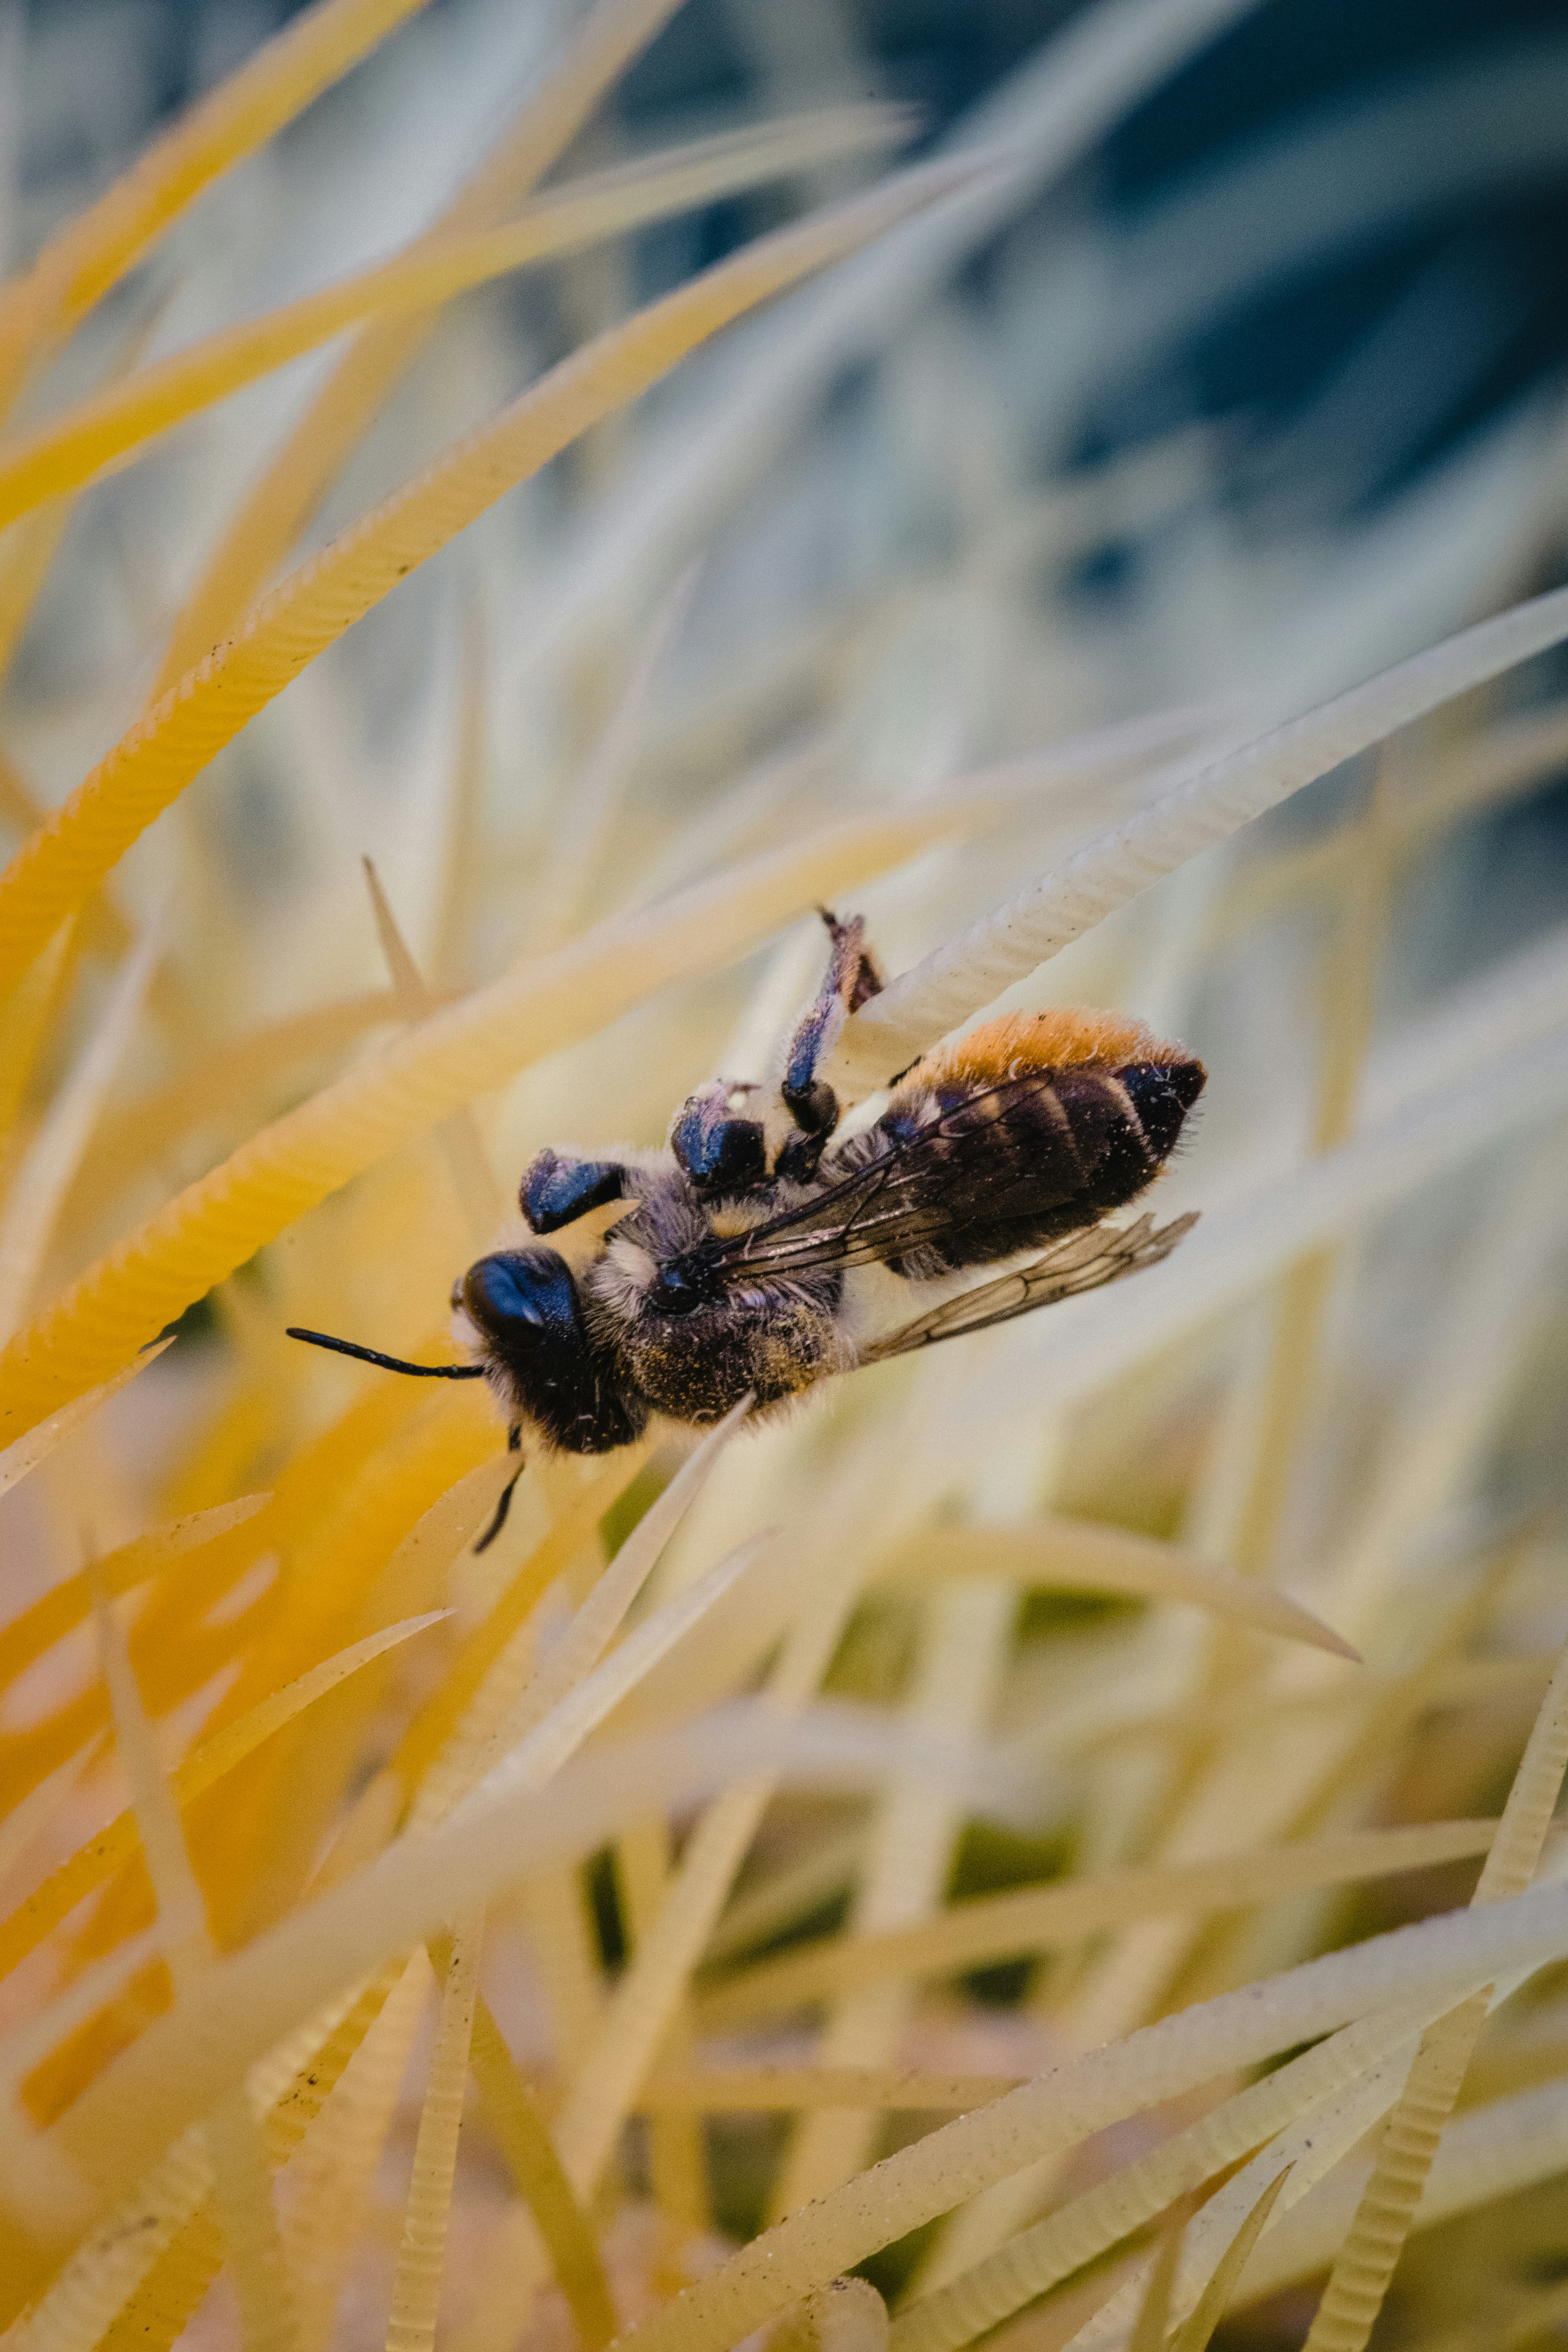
[1064, 1037]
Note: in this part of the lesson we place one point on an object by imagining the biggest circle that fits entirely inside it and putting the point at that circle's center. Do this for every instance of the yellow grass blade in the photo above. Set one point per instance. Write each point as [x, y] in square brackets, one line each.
[283, 500]
[413, 1082]
[242, 2184]
[27, 1821]
[518, 2120]
[152, 765]
[97, 1861]
[85, 257]
[117, 421]
[63, 1608]
[1050, 1918]
[43, 1435]
[1083, 1555]
[26, 1015]
[38, 1190]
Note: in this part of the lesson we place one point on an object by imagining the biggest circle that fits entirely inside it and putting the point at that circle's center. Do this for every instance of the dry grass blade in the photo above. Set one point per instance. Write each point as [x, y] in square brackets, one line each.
[86, 258]
[250, 1999]
[1366, 2261]
[1082, 2229]
[1006, 946]
[1036, 1919]
[1194, 2333]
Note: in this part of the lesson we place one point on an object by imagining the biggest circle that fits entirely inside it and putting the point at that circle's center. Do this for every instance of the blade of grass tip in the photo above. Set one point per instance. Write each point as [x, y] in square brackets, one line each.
[590, 806]
[1083, 1555]
[397, 1091]
[422, 2250]
[955, 981]
[293, 483]
[63, 862]
[82, 260]
[96, 1861]
[26, 1451]
[848, 2314]
[39, 1185]
[1366, 2261]
[1194, 2334]
[457, 1139]
[116, 423]
[243, 2180]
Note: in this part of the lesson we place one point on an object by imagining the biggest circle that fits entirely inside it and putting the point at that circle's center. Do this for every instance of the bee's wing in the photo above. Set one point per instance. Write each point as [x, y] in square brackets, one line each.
[1083, 1262]
[881, 1211]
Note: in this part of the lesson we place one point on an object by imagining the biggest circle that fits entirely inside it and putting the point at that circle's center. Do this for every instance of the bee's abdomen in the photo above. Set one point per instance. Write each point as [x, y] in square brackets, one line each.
[1018, 1156]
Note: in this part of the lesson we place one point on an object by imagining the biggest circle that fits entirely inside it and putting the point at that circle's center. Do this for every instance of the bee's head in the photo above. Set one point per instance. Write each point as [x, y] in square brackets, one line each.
[525, 1308]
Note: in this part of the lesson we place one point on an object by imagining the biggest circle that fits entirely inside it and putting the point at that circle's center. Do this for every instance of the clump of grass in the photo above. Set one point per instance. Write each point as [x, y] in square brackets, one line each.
[1230, 1594]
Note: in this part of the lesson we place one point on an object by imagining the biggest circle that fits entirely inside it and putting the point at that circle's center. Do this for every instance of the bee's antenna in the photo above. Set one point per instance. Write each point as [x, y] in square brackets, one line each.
[389, 1363]
[514, 1445]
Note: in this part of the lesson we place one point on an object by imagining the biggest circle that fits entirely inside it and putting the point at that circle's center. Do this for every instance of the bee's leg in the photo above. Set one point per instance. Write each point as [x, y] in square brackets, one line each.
[513, 1446]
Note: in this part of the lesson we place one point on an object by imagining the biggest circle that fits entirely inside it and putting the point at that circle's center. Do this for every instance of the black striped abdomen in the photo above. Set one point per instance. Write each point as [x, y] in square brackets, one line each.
[1013, 1163]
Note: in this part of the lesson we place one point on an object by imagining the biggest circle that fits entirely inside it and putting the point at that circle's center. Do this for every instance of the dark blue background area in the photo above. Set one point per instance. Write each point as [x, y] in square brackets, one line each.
[1490, 328]
[1261, 359]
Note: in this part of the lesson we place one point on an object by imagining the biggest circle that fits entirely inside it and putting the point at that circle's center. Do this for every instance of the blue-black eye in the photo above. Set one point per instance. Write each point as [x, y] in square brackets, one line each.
[519, 1290]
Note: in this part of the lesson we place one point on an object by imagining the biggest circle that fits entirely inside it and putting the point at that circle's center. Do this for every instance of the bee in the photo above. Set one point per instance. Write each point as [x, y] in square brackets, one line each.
[775, 1243]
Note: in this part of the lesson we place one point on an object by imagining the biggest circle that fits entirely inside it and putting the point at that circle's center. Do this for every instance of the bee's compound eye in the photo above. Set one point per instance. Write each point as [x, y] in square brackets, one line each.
[719, 1154]
[517, 1290]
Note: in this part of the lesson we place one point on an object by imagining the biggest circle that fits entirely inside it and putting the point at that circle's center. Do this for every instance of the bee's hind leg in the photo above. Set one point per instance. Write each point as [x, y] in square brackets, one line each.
[498, 1521]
